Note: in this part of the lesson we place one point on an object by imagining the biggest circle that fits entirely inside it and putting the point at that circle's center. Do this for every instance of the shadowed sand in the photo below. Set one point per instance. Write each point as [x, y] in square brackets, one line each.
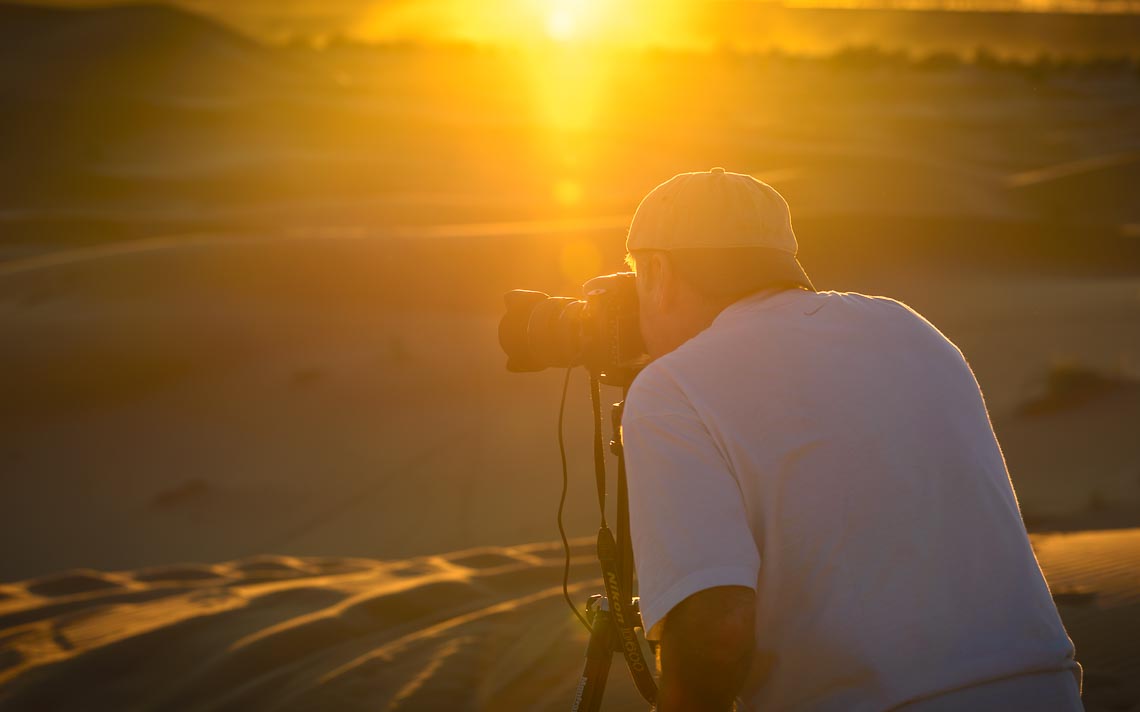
[483, 628]
[210, 401]
[204, 402]
[478, 629]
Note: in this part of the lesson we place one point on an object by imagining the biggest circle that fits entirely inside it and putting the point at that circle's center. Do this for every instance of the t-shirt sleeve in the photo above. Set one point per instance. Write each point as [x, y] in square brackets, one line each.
[688, 521]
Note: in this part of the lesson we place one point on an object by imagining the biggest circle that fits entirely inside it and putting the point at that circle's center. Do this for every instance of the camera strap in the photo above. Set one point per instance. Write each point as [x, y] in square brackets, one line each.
[599, 449]
[623, 617]
[617, 561]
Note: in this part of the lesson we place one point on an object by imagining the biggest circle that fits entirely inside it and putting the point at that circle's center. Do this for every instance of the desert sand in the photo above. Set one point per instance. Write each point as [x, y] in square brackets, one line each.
[250, 387]
[175, 405]
[482, 628]
[212, 400]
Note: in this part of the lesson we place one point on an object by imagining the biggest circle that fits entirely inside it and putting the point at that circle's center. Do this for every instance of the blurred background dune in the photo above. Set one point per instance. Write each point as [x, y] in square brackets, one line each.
[252, 259]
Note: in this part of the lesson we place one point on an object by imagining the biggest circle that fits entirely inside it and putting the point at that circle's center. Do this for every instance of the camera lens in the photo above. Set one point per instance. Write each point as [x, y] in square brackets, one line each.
[539, 331]
[553, 332]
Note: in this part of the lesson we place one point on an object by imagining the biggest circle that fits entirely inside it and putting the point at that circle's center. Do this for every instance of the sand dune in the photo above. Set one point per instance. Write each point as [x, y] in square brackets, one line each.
[144, 120]
[208, 401]
[478, 629]
[132, 51]
[215, 399]
[1095, 579]
[299, 371]
[469, 628]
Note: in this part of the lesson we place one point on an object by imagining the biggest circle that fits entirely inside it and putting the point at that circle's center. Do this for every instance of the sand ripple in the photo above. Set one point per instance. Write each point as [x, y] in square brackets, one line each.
[477, 629]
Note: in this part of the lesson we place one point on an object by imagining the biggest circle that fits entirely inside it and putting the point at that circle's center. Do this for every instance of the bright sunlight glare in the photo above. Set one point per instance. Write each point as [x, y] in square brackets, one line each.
[531, 22]
[560, 25]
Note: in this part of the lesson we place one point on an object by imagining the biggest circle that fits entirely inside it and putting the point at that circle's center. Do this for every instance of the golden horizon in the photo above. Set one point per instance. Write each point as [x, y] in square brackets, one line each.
[685, 24]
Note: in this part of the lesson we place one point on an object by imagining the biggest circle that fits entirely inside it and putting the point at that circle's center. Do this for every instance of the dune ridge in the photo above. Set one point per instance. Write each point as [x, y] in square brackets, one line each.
[482, 628]
[270, 631]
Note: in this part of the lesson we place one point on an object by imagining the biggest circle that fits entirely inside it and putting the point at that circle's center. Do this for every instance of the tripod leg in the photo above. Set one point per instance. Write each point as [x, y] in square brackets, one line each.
[599, 655]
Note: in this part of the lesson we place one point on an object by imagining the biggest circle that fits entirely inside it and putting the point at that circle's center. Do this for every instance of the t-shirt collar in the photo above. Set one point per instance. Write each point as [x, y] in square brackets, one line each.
[764, 299]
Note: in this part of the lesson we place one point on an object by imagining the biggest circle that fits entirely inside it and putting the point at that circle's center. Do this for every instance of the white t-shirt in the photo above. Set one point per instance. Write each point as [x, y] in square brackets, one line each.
[832, 451]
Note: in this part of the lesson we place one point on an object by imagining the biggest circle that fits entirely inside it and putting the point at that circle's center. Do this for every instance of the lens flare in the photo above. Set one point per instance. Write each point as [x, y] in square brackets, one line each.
[568, 192]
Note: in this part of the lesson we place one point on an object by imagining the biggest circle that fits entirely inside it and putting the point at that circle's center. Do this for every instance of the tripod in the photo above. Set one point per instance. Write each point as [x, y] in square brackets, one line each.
[613, 617]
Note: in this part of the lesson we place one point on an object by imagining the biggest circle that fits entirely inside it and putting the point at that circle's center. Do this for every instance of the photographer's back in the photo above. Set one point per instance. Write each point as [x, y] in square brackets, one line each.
[893, 563]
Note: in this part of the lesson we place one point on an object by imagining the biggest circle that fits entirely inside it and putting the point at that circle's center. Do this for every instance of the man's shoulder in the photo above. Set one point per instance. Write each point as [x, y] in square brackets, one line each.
[858, 300]
[855, 308]
[655, 390]
[763, 341]
[915, 326]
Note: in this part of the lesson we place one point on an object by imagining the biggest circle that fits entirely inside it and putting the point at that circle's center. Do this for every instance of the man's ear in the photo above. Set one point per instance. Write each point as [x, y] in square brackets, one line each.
[660, 279]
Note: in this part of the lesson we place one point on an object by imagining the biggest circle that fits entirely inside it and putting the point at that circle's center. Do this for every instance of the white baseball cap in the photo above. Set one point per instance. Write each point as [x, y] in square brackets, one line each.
[714, 210]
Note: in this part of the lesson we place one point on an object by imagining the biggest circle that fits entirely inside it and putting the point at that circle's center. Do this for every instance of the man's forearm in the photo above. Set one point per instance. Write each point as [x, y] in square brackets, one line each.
[701, 682]
[706, 651]
[711, 695]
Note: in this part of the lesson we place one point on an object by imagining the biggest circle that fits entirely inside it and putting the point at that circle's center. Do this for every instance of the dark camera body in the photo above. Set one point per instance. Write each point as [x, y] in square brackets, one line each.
[600, 332]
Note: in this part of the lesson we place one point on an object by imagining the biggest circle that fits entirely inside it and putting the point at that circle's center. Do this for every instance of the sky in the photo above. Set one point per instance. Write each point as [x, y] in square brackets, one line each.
[637, 22]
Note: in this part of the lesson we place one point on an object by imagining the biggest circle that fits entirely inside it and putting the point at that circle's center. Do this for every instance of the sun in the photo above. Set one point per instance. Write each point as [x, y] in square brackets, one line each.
[561, 24]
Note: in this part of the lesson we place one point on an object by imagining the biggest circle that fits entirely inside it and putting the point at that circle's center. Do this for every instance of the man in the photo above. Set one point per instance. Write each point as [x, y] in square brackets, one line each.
[820, 512]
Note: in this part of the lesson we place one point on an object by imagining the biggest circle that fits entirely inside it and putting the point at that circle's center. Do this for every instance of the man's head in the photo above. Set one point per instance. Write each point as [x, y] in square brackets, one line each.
[701, 241]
